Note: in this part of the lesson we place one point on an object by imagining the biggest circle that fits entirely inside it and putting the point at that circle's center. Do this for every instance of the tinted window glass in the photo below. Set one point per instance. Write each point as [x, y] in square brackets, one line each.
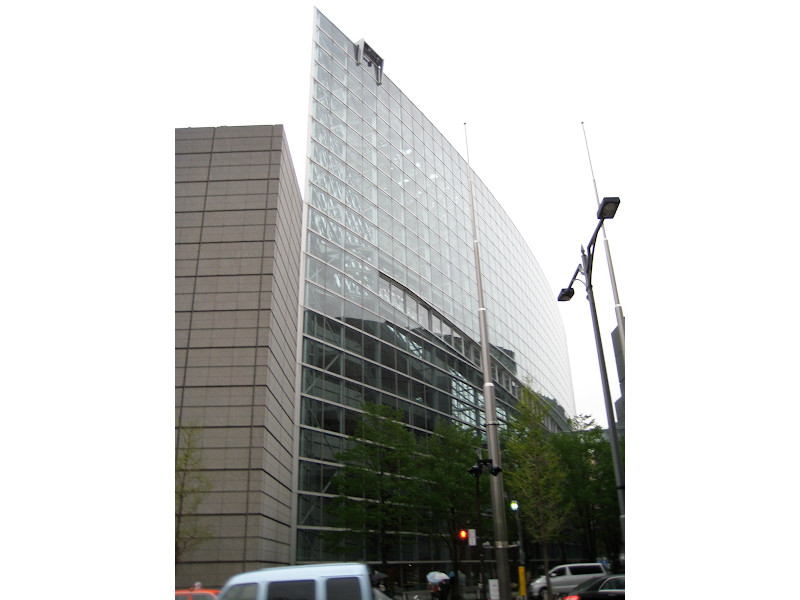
[615, 583]
[245, 591]
[343, 588]
[291, 590]
[585, 569]
[558, 572]
[590, 584]
[202, 596]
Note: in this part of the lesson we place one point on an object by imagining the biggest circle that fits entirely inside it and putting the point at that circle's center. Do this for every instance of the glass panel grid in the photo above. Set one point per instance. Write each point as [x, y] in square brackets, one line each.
[424, 240]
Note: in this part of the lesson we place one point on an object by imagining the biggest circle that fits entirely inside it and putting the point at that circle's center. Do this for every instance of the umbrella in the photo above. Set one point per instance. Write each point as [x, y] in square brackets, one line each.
[436, 576]
[461, 577]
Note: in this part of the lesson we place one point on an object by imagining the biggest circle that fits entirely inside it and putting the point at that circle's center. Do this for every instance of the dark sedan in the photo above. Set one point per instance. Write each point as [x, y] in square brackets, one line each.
[608, 586]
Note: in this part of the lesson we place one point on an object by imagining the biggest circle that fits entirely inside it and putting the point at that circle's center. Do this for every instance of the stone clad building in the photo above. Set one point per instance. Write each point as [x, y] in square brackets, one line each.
[238, 220]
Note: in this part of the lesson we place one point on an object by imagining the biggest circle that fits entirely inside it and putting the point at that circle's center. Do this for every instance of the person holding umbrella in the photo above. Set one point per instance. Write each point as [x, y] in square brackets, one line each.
[378, 580]
[439, 585]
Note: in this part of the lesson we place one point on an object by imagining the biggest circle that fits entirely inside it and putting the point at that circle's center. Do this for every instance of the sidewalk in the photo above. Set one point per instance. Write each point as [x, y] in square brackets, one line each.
[469, 592]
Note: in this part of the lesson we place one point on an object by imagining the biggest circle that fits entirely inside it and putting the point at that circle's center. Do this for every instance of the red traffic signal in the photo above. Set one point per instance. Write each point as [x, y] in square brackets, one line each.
[462, 534]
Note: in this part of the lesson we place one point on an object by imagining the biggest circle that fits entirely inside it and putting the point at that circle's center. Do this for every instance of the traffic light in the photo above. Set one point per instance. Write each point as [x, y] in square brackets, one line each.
[462, 535]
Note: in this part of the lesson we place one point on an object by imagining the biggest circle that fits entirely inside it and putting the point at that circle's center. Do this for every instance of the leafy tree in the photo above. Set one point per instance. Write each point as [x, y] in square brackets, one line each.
[590, 483]
[376, 485]
[609, 527]
[577, 450]
[449, 491]
[191, 487]
[534, 474]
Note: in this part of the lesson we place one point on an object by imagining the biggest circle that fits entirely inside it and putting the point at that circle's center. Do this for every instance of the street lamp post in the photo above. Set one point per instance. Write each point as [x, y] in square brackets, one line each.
[617, 305]
[607, 210]
[521, 569]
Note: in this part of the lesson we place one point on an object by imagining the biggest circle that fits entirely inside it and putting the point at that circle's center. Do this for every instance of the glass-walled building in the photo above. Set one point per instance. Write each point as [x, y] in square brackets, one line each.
[293, 312]
[389, 307]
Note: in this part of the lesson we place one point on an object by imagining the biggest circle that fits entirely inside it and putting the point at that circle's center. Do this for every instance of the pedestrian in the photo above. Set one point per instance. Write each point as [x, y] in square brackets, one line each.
[444, 589]
[435, 590]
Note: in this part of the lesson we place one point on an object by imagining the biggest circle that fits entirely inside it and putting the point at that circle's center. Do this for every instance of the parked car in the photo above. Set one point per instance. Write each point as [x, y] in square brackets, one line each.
[335, 581]
[611, 587]
[565, 577]
[198, 592]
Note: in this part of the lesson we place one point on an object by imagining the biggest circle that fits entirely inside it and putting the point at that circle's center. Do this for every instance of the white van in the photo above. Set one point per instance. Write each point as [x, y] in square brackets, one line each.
[565, 577]
[334, 581]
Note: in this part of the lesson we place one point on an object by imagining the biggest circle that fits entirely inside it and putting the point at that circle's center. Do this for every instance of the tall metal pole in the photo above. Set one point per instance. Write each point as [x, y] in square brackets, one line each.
[492, 424]
[612, 424]
[617, 305]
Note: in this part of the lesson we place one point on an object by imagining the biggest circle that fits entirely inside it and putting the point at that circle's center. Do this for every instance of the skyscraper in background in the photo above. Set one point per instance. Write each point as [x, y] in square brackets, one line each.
[290, 315]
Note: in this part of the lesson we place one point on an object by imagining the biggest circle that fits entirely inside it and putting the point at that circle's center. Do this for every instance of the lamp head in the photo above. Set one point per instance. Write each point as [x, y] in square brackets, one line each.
[608, 208]
[514, 505]
[566, 294]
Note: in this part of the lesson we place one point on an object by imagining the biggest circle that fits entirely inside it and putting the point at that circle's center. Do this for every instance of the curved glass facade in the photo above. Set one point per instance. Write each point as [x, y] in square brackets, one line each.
[390, 307]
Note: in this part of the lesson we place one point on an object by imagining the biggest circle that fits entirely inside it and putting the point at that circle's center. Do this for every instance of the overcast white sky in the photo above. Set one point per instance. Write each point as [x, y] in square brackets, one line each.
[691, 114]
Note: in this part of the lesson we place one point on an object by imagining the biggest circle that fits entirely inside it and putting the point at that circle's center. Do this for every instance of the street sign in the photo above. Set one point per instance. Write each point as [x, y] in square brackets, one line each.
[473, 539]
[494, 589]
